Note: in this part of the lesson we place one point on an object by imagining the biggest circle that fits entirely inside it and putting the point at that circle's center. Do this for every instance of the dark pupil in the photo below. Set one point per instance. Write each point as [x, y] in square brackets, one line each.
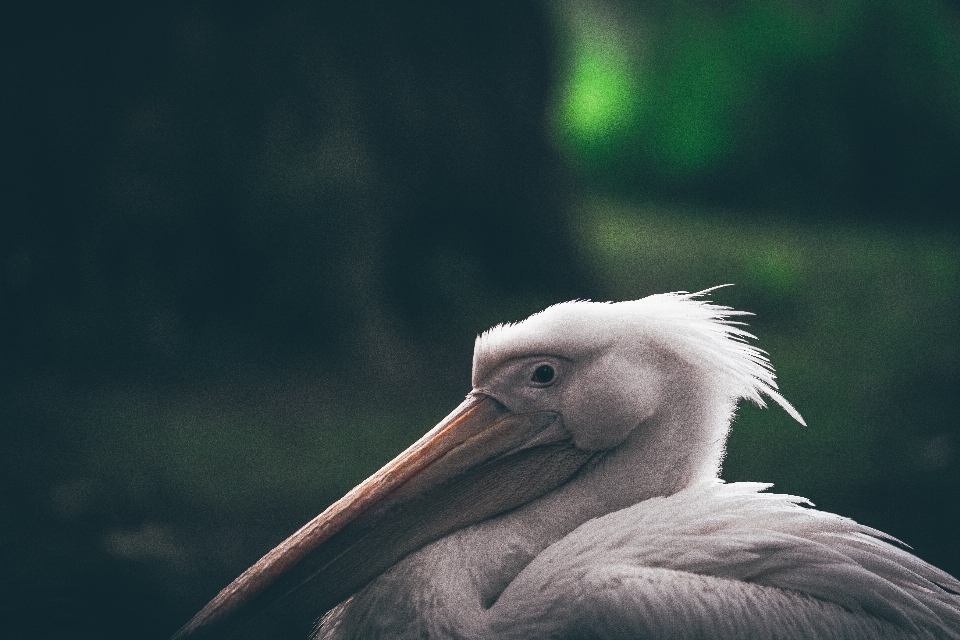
[544, 373]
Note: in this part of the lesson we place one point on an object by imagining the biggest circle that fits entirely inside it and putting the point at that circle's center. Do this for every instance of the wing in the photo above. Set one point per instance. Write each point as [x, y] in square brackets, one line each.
[723, 560]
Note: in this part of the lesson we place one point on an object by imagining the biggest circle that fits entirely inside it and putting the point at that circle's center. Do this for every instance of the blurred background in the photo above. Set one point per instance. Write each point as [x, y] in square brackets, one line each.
[245, 249]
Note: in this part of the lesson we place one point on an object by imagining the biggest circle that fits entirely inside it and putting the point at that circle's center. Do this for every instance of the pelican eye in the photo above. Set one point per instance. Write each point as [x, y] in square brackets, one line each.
[543, 374]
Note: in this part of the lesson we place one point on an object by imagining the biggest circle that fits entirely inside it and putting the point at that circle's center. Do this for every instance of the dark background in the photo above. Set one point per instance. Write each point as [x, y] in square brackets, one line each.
[245, 248]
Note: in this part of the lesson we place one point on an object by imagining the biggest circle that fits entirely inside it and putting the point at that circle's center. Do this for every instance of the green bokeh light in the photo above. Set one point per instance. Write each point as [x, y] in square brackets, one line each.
[601, 99]
[760, 99]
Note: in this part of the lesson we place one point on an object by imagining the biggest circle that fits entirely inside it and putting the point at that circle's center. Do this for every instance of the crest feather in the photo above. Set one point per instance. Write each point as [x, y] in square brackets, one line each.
[701, 333]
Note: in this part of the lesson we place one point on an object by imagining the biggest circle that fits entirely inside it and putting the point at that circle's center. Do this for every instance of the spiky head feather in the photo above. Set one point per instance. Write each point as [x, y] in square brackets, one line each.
[699, 332]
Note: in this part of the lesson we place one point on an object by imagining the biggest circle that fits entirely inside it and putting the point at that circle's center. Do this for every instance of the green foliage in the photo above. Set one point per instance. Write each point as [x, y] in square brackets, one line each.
[766, 101]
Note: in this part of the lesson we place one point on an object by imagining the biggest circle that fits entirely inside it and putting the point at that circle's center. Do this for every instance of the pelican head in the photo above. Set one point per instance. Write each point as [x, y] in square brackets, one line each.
[606, 368]
[580, 410]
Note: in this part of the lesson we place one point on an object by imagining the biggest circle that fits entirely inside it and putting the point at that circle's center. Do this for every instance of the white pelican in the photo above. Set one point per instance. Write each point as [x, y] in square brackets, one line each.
[575, 494]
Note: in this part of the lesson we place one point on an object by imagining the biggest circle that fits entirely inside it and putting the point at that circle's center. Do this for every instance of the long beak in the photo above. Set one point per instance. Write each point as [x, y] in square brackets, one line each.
[480, 461]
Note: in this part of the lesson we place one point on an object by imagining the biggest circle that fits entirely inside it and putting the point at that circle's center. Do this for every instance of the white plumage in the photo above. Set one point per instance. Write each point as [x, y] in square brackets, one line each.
[712, 561]
[586, 504]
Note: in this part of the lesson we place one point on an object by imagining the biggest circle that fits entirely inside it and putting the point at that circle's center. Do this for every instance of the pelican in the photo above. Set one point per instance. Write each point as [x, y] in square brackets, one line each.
[575, 493]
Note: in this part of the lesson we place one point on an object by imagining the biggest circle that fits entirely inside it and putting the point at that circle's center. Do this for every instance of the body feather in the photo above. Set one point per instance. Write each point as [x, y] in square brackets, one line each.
[715, 560]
